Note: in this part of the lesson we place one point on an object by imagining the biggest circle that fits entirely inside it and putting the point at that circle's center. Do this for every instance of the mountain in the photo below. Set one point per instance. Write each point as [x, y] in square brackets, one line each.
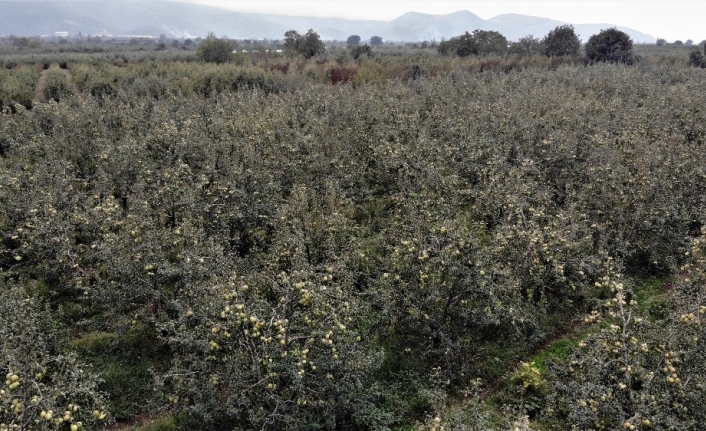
[179, 19]
[514, 26]
[587, 30]
[414, 26]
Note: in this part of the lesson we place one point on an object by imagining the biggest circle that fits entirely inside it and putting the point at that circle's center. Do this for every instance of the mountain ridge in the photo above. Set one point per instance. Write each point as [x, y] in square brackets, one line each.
[180, 19]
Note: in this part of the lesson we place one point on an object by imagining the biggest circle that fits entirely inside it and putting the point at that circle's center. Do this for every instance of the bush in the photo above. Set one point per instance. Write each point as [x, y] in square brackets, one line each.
[696, 59]
[232, 78]
[640, 372]
[359, 51]
[527, 47]
[56, 85]
[353, 40]
[101, 88]
[214, 50]
[307, 45]
[610, 46]
[45, 385]
[13, 90]
[285, 353]
[562, 41]
[342, 74]
[478, 43]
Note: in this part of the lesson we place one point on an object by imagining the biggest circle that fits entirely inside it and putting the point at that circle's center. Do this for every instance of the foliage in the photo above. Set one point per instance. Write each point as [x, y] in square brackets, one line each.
[527, 46]
[42, 390]
[56, 85]
[353, 40]
[214, 50]
[16, 86]
[376, 41]
[359, 51]
[272, 353]
[308, 45]
[342, 75]
[25, 42]
[529, 376]
[479, 43]
[639, 373]
[210, 233]
[562, 41]
[611, 46]
[221, 79]
[696, 59]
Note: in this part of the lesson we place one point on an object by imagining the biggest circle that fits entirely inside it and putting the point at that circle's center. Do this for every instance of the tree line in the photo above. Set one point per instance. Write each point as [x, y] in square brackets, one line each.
[610, 45]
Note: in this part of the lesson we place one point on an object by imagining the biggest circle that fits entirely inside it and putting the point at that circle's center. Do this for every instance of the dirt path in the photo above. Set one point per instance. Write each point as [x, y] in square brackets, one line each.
[39, 90]
[137, 421]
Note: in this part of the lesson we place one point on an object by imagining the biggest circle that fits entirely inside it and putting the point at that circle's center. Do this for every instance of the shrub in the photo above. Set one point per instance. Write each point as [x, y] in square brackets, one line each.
[359, 51]
[308, 45]
[696, 59]
[368, 74]
[342, 74]
[562, 41]
[610, 46]
[527, 47]
[214, 50]
[353, 40]
[376, 41]
[285, 353]
[13, 90]
[478, 43]
[640, 372]
[56, 85]
[45, 385]
[232, 78]
[101, 88]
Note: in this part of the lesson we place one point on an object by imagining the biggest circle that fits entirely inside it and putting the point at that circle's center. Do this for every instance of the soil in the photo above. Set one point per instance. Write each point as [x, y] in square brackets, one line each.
[139, 420]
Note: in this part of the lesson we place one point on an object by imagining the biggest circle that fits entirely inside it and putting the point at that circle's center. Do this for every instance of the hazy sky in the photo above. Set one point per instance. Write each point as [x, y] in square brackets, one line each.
[671, 20]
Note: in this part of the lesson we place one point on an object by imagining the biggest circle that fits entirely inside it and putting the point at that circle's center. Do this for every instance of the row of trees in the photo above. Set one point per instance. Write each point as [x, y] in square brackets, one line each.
[688, 42]
[354, 40]
[610, 45]
[215, 50]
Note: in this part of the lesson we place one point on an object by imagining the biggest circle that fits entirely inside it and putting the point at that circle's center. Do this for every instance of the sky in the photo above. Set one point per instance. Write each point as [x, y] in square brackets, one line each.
[671, 20]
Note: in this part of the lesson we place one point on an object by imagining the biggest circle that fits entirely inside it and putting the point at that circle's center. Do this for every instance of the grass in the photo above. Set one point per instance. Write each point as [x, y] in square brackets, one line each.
[653, 299]
[560, 350]
[125, 376]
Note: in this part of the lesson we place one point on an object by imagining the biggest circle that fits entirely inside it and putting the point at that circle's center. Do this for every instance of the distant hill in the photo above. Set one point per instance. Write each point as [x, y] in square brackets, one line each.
[178, 19]
[514, 26]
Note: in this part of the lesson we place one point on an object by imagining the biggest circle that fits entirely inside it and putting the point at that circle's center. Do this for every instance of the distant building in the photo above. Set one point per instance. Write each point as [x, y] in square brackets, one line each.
[134, 36]
[61, 34]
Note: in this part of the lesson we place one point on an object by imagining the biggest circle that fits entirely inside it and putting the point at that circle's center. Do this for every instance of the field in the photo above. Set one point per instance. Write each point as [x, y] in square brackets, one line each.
[402, 242]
